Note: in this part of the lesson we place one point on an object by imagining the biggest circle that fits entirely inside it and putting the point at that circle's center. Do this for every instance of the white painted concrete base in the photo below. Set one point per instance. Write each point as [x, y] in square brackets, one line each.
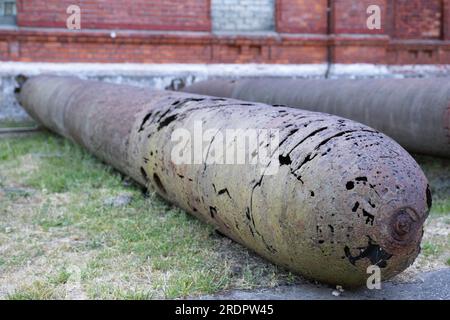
[173, 76]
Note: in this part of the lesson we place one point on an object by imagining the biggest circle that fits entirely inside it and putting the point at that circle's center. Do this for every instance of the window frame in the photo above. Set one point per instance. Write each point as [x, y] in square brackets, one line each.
[9, 20]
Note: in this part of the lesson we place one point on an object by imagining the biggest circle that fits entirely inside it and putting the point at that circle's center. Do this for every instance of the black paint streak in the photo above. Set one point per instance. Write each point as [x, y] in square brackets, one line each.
[147, 116]
[305, 161]
[332, 137]
[268, 247]
[429, 197]
[144, 174]
[207, 153]
[247, 213]
[293, 131]
[224, 191]
[164, 114]
[370, 217]
[166, 121]
[284, 160]
[159, 183]
[307, 137]
[212, 212]
[195, 99]
[377, 255]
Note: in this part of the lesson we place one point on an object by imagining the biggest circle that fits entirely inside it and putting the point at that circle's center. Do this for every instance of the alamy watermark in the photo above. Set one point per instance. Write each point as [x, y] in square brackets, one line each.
[374, 280]
[373, 22]
[73, 22]
[225, 147]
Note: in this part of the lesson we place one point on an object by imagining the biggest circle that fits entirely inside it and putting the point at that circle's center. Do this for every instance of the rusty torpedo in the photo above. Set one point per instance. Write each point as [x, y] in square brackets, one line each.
[344, 196]
[414, 112]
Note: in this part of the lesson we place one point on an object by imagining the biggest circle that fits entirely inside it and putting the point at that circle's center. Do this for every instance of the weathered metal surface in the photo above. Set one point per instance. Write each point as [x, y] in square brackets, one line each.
[414, 112]
[345, 196]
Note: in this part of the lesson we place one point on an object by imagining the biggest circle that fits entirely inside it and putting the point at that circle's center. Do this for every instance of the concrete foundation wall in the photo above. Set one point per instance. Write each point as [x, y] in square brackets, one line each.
[175, 76]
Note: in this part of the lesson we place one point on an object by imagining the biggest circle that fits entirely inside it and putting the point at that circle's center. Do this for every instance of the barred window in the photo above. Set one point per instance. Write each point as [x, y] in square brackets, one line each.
[8, 12]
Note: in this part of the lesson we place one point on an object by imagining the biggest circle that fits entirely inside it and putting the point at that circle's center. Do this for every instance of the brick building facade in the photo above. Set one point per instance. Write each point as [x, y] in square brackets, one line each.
[226, 31]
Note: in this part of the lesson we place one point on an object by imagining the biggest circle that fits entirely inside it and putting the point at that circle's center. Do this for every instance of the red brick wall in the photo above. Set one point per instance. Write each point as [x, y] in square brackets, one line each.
[425, 54]
[418, 19]
[446, 19]
[118, 14]
[110, 52]
[4, 50]
[360, 54]
[147, 47]
[235, 53]
[350, 16]
[405, 24]
[301, 16]
[299, 54]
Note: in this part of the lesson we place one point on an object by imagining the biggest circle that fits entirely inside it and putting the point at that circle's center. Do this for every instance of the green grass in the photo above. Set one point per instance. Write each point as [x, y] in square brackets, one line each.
[431, 249]
[441, 207]
[437, 171]
[38, 290]
[62, 166]
[49, 287]
[61, 277]
[54, 220]
[56, 211]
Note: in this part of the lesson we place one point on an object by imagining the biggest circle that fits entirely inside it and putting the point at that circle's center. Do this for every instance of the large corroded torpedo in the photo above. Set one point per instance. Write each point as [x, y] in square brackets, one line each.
[414, 112]
[344, 196]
